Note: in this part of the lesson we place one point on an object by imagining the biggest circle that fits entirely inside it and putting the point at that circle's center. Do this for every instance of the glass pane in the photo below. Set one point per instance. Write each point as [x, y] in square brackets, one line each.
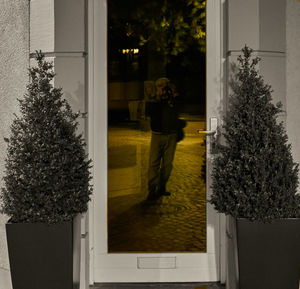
[156, 109]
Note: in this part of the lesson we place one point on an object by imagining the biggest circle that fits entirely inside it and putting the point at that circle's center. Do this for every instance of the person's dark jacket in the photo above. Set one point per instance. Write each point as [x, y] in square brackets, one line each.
[164, 117]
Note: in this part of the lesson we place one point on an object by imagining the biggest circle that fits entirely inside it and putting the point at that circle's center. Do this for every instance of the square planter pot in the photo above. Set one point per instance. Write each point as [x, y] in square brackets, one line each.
[44, 256]
[268, 254]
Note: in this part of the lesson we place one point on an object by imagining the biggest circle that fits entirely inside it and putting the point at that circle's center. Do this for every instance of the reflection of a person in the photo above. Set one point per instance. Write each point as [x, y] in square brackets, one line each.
[163, 113]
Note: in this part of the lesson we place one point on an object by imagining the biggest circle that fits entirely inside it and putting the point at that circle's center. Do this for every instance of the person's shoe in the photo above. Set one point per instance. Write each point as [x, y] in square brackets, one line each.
[164, 193]
[153, 196]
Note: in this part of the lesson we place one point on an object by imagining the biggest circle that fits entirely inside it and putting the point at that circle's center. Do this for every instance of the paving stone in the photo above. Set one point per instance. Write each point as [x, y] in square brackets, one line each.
[171, 224]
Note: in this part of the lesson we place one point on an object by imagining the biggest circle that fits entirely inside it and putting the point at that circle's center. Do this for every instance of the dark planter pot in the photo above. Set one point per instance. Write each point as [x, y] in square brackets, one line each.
[44, 256]
[269, 254]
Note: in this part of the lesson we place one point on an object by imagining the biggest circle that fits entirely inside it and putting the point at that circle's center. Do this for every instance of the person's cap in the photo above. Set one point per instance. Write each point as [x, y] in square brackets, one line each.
[162, 82]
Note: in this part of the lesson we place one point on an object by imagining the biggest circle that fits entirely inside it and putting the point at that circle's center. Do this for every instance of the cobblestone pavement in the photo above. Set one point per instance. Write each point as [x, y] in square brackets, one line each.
[160, 286]
[175, 223]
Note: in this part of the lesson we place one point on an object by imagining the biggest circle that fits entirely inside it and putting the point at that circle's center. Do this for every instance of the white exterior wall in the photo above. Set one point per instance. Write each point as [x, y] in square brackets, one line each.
[261, 25]
[272, 25]
[14, 59]
[293, 76]
[60, 32]
[57, 27]
[42, 25]
[70, 26]
[243, 24]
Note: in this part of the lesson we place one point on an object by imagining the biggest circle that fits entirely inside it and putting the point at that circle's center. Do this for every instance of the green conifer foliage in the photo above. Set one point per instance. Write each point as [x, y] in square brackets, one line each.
[47, 171]
[254, 175]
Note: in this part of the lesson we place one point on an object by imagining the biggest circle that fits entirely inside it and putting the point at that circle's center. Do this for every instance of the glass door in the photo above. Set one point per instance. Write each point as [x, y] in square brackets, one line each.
[152, 92]
[156, 108]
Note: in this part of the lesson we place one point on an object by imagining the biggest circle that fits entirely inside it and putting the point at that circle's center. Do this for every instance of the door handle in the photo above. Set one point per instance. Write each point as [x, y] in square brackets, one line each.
[206, 132]
[213, 123]
[212, 133]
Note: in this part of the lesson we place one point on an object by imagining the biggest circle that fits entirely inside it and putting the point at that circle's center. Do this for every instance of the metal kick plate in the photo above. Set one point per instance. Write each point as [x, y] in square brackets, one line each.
[156, 262]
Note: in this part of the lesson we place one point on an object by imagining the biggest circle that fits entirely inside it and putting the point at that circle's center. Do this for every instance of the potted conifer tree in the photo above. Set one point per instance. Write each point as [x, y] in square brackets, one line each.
[46, 187]
[254, 179]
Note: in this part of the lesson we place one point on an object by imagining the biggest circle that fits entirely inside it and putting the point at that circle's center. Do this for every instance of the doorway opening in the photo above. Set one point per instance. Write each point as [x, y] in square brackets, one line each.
[136, 265]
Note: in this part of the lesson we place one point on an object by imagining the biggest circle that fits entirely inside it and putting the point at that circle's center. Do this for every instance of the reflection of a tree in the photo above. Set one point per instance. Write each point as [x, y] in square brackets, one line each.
[170, 37]
[172, 27]
[169, 27]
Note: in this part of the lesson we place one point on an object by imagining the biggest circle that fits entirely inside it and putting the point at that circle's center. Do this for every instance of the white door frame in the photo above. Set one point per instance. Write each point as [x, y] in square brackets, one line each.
[97, 121]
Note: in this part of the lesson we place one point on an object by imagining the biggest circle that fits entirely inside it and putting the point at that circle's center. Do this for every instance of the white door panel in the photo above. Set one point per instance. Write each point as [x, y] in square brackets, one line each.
[166, 267]
[183, 268]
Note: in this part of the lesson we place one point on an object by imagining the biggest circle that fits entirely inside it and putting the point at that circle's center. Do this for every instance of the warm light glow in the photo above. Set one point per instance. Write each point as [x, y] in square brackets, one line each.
[132, 51]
